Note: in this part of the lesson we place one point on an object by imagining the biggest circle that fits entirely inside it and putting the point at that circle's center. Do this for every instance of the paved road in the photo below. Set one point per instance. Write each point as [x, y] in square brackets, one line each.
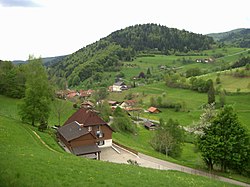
[122, 155]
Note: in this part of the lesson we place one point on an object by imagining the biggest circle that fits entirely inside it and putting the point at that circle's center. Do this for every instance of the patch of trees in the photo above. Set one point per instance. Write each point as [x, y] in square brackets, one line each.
[225, 142]
[162, 102]
[242, 62]
[102, 56]
[168, 138]
[178, 81]
[12, 79]
[122, 122]
[193, 72]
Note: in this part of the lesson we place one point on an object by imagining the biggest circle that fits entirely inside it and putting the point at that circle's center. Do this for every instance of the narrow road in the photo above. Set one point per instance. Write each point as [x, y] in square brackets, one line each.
[172, 166]
[121, 155]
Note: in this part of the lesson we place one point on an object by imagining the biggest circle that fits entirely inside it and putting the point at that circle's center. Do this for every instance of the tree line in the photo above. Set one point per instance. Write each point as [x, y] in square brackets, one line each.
[12, 79]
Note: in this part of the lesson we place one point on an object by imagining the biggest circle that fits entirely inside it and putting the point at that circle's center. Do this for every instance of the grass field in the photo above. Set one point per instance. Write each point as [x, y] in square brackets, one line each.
[25, 161]
[193, 101]
[231, 55]
[141, 143]
[229, 82]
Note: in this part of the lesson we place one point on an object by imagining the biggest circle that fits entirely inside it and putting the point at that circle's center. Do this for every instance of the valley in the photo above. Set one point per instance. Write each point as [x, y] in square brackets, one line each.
[176, 72]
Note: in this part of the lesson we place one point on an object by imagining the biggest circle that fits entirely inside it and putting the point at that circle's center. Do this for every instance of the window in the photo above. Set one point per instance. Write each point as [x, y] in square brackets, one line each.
[100, 143]
[99, 134]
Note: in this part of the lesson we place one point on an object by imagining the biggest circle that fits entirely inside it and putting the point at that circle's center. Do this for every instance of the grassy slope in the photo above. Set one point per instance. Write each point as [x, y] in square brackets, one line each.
[143, 63]
[25, 161]
[229, 82]
[193, 100]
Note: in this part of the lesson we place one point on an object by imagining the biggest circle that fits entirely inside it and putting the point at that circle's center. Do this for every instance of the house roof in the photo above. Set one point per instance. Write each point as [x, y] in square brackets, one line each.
[72, 131]
[130, 102]
[113, 102]
[132, 109]
[119, 83]
[149, 124]
[153, 109]
[86, 117]
[88, 103]
[85, 149]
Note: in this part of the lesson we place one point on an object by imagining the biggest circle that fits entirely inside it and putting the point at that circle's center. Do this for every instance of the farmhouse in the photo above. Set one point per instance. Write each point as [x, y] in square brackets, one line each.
[153, 110]
[128, 104]
[119, 86]
[84, 133]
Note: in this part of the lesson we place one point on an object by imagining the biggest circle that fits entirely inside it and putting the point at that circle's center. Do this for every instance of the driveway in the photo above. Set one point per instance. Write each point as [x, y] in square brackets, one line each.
[118, 154]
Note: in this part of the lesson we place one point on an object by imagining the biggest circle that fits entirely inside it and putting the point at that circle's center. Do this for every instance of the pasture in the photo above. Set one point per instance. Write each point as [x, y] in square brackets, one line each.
[25, 161]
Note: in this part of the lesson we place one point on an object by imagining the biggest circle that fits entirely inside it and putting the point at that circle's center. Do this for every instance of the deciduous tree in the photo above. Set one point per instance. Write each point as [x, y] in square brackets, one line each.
[168, 138]
[38, 94]
[225, 142]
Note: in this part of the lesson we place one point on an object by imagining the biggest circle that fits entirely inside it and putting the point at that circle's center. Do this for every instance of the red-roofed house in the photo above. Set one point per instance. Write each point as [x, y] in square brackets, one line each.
[85, 132]
[153, 110]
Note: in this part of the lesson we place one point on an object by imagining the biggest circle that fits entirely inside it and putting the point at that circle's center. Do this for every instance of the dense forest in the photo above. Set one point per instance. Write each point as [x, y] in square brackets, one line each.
[107, 54]
[237, 38]
[12, 79]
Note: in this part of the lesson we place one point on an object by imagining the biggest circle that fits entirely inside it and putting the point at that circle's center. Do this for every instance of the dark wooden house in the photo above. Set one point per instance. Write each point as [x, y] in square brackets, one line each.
[85, 132]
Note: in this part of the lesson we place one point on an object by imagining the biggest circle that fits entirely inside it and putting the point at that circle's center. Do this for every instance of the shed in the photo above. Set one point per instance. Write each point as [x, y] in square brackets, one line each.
[153, 110]
[149, 125]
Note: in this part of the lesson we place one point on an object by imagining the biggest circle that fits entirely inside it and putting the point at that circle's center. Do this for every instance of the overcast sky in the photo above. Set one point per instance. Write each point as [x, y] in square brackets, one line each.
[59, 27]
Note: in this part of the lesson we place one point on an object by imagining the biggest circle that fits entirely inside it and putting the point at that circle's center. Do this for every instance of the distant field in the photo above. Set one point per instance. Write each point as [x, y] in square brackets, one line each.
[229, 82]
[143, 63]
[193, 101]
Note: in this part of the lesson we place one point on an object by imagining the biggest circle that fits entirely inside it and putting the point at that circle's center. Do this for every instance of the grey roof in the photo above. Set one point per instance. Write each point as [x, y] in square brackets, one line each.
[85, 149]
[119, 83]
[149, 124]
[72, 131]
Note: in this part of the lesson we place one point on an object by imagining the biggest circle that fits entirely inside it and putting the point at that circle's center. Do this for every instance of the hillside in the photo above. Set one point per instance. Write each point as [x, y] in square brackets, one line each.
[221, 35]
[26, 161]
[46, 61]
[106, 54]
[237, 37]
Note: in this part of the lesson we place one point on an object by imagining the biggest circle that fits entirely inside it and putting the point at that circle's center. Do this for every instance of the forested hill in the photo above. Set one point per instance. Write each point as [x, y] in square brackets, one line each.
[237, 37]
[107, 53]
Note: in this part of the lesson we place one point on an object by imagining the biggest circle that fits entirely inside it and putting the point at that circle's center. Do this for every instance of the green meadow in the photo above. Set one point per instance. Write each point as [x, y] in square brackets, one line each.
[230, 55]
[26, 161]
[193, 102]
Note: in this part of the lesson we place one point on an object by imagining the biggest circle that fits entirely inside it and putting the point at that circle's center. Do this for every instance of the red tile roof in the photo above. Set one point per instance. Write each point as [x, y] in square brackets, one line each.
[153, 109]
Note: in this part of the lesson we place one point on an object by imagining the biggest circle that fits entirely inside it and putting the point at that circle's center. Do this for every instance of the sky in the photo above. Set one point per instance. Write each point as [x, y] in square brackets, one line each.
[49, 28]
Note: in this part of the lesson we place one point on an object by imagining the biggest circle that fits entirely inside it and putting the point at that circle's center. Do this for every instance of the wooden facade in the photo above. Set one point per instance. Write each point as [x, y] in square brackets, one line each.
[84, 131]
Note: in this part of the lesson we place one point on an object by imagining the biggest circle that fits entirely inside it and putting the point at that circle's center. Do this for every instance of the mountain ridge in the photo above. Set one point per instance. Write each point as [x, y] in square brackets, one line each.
[124, 44]
[237, 37]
